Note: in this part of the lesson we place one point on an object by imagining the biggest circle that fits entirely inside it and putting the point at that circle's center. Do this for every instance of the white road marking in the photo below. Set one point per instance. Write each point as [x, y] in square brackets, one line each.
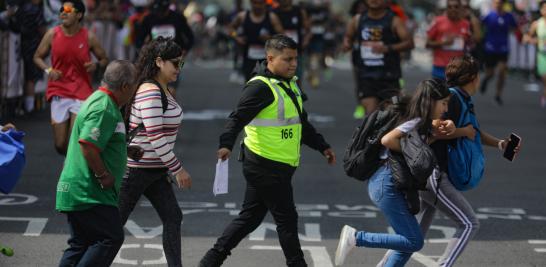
[35, 225]
[140, 232]
[427, 261]
[17, 199]
[312, 232]
[160, 260]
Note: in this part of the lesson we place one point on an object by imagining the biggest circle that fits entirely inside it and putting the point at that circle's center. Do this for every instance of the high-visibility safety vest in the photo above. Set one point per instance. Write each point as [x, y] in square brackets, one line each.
[275, 133]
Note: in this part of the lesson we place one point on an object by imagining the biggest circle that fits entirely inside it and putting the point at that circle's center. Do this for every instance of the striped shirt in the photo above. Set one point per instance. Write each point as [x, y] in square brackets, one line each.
[161, 128]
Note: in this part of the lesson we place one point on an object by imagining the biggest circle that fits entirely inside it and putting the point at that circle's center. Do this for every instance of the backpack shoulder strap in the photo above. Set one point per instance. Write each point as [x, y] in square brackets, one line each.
[164, 99]
[164, 105]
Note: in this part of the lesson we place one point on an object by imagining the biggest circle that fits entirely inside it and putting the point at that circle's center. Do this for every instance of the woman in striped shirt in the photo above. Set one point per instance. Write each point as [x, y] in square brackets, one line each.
[156, 115]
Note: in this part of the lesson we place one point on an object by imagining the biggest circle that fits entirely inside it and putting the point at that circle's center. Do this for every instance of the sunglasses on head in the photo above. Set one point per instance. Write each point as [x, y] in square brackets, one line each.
[68, 9]
[178, 63]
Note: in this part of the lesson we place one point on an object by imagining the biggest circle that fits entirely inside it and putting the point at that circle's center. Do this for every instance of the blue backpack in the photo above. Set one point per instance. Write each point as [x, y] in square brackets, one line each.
[466, 161]
[12, 159]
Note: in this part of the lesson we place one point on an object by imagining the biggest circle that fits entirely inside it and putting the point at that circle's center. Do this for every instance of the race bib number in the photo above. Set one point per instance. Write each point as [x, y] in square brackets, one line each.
[457, 45]
[256, 52]
[165, 31]
[369, 57]
[292, 34]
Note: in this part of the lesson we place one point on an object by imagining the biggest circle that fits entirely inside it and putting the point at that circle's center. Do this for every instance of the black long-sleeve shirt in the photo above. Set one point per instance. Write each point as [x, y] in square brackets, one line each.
[257, 96]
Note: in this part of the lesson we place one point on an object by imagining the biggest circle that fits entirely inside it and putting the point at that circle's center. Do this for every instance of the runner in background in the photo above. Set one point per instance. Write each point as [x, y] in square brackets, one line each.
[236, 75]
[498, 25]
[162, 21]
[319, 14]
[70, 45]
[30, 21]
[257, 25]
[135, 23]
[381, 36]
[448, 36]
[296, 25]
[537, 35]
[474, 44]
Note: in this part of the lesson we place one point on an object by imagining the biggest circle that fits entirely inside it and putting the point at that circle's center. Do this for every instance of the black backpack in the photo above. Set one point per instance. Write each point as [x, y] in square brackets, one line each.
[361, 159]
[127, 108]
[419, 157]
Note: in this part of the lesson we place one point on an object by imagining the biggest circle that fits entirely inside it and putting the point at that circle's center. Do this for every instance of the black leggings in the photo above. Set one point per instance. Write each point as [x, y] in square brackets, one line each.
[154, 184]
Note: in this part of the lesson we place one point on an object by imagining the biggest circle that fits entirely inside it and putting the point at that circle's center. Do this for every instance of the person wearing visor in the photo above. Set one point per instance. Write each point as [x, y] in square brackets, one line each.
[70, 45]
[164, 22]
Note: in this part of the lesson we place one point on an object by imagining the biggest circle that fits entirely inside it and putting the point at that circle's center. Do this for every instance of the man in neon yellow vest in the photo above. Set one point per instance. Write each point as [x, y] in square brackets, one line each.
[270, 111]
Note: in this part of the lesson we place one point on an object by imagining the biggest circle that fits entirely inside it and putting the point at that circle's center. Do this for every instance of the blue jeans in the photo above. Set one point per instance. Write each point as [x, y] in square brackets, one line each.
[391, 201]
[96, 235]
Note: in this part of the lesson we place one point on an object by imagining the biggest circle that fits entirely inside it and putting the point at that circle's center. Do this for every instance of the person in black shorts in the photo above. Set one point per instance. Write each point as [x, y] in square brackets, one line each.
[296, 25]
[256, 26]
[498, 25]
[380, 37]
[29, 19]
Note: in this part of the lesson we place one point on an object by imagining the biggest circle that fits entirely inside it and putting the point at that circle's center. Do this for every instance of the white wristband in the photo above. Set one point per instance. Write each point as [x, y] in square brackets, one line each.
[499, 144]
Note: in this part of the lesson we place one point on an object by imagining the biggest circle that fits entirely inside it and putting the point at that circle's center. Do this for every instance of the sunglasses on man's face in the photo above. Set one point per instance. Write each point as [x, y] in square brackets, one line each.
[178, 63]
[68, 9]
[453, 6]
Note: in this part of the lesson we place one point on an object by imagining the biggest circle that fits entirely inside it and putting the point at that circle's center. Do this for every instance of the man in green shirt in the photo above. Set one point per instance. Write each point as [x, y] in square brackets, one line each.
[88, 188]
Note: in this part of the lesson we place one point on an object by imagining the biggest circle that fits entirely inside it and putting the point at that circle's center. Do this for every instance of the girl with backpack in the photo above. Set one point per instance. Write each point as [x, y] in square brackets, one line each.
[462, 74]
[154, 117]
[427, 105]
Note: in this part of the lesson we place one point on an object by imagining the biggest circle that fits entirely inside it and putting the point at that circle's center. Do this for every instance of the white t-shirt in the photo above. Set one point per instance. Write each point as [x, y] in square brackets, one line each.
[405, 127]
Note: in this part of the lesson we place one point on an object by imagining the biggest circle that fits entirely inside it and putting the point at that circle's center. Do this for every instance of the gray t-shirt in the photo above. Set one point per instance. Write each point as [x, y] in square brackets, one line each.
[405, 127]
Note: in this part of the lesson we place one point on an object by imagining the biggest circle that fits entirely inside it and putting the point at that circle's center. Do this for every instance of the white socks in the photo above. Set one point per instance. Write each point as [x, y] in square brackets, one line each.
[29, 103]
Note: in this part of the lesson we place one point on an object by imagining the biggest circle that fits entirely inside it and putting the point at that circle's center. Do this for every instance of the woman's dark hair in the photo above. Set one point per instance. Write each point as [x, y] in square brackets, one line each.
[166, 49]
[461, 70]
[423, 100]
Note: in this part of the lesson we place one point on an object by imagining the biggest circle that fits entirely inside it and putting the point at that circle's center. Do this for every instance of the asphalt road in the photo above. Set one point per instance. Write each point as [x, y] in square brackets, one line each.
[510, 200]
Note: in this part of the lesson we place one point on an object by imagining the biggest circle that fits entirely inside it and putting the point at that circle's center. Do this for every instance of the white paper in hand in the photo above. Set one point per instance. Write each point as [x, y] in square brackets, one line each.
[221, 177]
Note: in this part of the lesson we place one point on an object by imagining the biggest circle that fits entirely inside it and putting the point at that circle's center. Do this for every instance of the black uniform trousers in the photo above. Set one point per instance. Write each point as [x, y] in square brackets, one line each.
[268, 188]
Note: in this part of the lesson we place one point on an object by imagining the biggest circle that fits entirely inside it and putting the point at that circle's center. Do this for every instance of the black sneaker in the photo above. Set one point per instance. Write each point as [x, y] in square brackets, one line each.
[213, 258]
[498, 100]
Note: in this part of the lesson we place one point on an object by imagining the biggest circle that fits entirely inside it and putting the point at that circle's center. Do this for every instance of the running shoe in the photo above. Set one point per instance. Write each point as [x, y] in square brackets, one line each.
[359, 112]
[347, 241]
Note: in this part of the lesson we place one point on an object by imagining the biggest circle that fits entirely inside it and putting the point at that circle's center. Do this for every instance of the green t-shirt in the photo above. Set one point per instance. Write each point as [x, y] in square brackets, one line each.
[100, 124]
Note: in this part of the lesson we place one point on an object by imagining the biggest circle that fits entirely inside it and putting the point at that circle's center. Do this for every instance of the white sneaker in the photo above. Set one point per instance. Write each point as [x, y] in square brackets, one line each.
[347, 241]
